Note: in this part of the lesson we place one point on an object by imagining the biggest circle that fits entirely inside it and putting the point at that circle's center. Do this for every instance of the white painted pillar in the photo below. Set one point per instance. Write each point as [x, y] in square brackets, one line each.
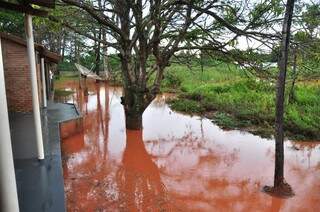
[44, 87]
[34, 86]
[8, 187]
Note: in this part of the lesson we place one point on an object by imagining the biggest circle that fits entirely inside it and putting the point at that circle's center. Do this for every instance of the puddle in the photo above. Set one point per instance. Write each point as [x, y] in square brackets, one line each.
[177, 163]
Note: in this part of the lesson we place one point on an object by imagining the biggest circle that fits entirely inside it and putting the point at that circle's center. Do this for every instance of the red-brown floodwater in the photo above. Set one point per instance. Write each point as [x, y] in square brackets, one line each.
[177, 163]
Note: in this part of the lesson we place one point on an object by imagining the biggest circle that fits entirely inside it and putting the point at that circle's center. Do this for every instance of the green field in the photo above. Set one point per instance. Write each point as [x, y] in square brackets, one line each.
[234, 100]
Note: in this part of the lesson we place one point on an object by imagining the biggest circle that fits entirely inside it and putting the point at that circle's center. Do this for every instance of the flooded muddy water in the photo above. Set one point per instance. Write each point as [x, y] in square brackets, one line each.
[176, 163]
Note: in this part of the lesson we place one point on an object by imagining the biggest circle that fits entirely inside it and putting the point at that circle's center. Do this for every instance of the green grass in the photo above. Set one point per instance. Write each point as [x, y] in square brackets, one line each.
[225, 120]
[62, 93]
[187, 106]
[233, 100]
[66, 75]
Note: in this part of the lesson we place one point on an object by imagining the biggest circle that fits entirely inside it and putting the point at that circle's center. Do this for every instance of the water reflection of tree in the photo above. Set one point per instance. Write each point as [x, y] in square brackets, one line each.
[88, 169]
[213, 172]
[107, 117]
[99, 109]
[138, 179]
[194, 146]
[308, 148]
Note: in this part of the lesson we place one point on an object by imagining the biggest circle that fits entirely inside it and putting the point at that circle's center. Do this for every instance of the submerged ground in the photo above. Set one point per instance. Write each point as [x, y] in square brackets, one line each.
[177, 162]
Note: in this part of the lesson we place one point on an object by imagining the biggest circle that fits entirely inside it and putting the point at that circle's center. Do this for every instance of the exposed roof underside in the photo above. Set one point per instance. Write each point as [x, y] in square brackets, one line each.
[49, 56]
[44, 3]
[27, 6]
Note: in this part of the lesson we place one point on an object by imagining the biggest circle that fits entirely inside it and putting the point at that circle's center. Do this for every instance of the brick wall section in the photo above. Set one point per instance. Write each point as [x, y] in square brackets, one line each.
[17, 77]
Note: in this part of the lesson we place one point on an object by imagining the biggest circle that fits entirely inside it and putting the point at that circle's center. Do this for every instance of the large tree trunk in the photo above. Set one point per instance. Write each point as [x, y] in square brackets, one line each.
[135, 97]
[137, 36]
[134, 105]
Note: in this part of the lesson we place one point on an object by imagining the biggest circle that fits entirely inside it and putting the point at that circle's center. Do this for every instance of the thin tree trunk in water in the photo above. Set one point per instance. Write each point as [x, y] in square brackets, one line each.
[280, 186]
[106, 68]
[201, 63]
[63, 46]
[76, 49]
[201, 67]
[294, 74]
[98, 47]
[97, 53]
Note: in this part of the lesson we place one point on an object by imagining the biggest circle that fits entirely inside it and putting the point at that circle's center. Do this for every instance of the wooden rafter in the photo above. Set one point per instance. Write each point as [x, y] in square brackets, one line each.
[44, 3]
[26, 8]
